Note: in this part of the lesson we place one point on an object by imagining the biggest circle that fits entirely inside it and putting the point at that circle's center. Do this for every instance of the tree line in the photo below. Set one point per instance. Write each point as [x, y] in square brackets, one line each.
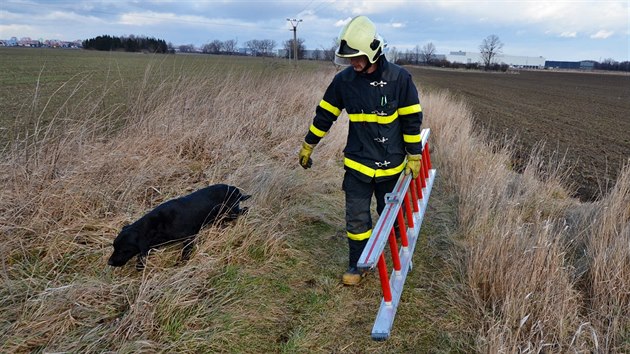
[254, 47]
[266, 48]
[128, 44]
[612, 65]
[489, 49]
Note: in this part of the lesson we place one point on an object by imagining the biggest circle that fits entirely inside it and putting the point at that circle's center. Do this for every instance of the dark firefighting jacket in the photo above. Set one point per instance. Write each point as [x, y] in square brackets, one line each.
[385, 118]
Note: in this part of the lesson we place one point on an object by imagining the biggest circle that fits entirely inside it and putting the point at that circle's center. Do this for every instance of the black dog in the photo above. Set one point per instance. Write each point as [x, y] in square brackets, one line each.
[176, 220]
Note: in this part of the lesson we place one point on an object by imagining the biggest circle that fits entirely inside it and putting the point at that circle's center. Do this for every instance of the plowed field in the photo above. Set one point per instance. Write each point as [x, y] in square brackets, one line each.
[585, 115]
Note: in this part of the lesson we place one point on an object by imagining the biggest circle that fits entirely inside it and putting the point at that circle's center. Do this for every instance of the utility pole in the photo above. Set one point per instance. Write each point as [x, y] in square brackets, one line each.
[294, 23]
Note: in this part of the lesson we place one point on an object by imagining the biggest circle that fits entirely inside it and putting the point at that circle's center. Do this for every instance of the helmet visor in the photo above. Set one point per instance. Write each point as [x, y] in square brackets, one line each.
[342, 61]
[346, 50]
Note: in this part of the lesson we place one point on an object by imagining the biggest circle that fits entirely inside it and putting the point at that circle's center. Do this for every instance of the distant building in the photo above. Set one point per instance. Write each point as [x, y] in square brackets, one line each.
[28, 42]
[575, 65]
[48, 43]
[12, 42]
[438, 57]
[515, 61]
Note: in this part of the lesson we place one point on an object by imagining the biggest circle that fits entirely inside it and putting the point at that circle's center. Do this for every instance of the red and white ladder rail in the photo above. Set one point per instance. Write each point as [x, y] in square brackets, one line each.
[406, 204]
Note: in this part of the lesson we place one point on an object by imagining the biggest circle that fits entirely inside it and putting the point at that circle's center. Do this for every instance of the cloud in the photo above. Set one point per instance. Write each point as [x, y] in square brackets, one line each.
[398, 25]
[147, 18]
[15, 30]
[367, 7]
[343, 22]
[554, 17]
[602, 34]
[64, 16]
[6, 15]
[151, 18]
[568, 34]
[65, 25]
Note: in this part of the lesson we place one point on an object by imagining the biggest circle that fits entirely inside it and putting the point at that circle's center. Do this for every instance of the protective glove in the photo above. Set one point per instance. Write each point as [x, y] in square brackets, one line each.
[305, 155]
[413, 165]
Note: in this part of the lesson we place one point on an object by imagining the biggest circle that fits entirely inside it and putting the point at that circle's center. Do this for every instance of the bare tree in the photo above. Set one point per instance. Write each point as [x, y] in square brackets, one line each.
[254, 47]
[268, 45]
[288, 47]
[393, 55]
[187, 48]
[229, 46]
[490, 48]
[416, 50]
[213, 47]
[317, 54]
[329, 53]
[261, 48]
[408, 57]
[427, 53]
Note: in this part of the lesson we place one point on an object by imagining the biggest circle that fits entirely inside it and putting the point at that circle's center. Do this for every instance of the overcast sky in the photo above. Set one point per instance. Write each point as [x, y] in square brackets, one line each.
[556, 30]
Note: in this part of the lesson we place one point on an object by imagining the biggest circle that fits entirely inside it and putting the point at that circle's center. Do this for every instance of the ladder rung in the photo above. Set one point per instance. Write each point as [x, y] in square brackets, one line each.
[387, 311]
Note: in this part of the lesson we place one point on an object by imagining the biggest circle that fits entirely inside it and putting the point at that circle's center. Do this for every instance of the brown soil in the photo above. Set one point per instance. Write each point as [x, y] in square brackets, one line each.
[583, 115]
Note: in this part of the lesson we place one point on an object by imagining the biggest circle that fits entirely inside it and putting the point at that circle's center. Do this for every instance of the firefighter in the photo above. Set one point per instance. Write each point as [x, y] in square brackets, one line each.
[382, 104]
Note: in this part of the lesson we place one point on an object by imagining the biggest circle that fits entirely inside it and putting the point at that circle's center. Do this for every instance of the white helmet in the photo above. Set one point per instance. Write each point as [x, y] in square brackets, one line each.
[358, 38]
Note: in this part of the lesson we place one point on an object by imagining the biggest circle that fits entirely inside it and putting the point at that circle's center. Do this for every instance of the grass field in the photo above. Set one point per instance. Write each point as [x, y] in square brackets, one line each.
[40, 85]
[508, 262]
[582, 116]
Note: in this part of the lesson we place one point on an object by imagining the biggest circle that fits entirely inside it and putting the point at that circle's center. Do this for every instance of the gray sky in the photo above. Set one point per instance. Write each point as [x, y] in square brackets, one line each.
[556, 30]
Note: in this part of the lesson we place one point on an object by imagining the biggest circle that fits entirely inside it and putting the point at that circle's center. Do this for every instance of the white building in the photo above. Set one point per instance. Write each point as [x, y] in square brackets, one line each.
[511, 60]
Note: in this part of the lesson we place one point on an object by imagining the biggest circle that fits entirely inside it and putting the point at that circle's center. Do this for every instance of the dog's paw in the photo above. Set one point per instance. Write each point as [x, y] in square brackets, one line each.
[141, 263]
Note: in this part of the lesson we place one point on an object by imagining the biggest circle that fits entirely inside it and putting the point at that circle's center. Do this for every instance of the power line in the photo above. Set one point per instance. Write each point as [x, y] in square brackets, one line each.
[305, 7]
[322, 6]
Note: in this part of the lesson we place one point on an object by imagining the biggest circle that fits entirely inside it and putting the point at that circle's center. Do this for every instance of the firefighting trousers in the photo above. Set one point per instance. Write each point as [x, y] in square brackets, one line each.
[358, 217]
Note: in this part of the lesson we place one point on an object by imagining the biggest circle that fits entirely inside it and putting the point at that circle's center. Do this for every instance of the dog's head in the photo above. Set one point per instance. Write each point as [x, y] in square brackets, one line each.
[126, 245]
[233, 198]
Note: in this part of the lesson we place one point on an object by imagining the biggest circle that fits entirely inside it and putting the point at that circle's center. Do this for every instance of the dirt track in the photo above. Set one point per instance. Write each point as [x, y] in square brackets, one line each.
[586, 115]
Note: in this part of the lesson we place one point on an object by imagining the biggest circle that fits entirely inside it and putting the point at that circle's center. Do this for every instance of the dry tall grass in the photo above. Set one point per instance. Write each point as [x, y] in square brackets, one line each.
[544, 272]
[66, 194]
[538, 271]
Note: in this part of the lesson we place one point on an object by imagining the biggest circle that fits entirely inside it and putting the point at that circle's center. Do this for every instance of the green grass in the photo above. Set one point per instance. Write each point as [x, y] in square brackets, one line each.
[36, 83]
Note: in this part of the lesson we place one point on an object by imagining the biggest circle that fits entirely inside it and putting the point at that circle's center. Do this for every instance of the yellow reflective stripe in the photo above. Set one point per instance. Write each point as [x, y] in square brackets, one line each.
[372, 118]
[317, 132]
[359, 167]
[412, 138]
[415, 108]
[373, 172]
[361, 236]
[330, 108]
